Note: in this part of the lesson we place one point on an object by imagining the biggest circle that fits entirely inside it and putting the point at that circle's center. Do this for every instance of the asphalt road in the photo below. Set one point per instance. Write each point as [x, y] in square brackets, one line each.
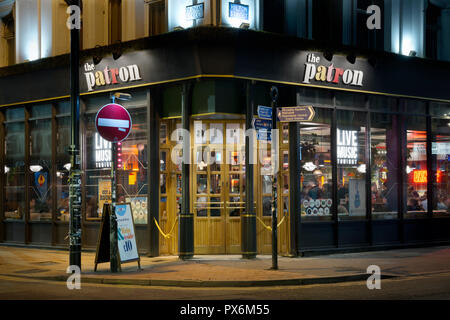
[434, 286]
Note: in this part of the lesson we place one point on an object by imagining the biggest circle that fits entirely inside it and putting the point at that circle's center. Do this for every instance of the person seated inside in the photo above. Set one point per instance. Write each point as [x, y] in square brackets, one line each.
[414, 205]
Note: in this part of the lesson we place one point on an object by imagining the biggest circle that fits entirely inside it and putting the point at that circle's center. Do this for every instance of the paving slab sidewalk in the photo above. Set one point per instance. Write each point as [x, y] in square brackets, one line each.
[228, 270]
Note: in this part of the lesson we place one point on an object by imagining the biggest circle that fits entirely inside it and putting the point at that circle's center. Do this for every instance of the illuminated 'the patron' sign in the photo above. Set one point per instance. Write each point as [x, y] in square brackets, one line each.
[347, 147]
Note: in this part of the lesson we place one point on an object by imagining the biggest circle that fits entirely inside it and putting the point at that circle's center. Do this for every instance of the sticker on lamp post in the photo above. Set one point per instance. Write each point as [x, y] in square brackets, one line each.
[113, 122]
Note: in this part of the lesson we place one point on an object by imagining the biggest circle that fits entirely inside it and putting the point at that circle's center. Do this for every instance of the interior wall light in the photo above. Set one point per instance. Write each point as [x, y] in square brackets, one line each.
[36, 168]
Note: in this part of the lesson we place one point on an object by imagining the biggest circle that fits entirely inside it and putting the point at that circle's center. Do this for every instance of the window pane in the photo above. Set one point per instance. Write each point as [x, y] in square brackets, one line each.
[43, 110]
[62, 167]
[40, 167]
[14, 170]
[384, 164]
[440, 153]
[316, 171]
[351, 133]
[267, 206]
[380, 103]
[97, 153]
[132, 167]
[15, 114]
[416, 168]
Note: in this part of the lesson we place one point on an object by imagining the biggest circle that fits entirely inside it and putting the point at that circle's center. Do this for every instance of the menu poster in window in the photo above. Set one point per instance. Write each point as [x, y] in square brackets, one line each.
[139, 209]
[125, 233]
[357, 197]
[104, 194]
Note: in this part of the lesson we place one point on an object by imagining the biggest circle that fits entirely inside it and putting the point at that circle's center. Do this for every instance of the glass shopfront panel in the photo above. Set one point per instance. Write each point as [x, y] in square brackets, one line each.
[62, 164]
[131, 155]
[416, 167]
[14, 164]
[385, 154]
[132, 183]
[440, 154]
[351, 165]
[40, 194]
[316, 168]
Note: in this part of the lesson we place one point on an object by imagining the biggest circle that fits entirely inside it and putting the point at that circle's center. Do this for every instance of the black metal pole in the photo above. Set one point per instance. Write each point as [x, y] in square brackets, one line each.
[248, 220]
[186, 226]
[113, 259]
[274, 154]
[75, 160]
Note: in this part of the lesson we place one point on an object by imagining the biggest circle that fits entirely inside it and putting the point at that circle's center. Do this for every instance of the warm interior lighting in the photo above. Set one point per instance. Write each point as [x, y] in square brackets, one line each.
[36, 168]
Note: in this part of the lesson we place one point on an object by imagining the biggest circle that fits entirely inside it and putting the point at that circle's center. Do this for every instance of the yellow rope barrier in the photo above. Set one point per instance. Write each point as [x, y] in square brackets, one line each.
[264, 225]
[169, 234]
[268, 227]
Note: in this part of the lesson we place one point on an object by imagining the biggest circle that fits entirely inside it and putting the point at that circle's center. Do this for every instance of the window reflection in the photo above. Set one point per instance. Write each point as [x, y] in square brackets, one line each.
[416, 168]
[351, 134]
[15, 164]
[384, 165]
[40, 164]
[440, 151]
[315, 180]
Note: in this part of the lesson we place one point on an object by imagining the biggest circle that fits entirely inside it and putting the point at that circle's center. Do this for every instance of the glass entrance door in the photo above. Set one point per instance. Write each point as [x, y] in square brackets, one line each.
[218, 186]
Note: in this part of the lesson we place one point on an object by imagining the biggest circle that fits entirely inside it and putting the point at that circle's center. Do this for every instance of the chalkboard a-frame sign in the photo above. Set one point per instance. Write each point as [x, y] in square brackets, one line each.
[102, 254]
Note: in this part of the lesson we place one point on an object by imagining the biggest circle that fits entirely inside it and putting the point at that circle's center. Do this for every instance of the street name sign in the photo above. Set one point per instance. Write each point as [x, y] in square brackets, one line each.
[296, 114]
[263, 128]
[265, 112]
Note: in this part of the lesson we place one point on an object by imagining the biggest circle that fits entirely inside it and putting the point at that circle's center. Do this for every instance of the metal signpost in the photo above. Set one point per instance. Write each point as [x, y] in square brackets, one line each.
[74, 150]
[113, 123]
[274, 95]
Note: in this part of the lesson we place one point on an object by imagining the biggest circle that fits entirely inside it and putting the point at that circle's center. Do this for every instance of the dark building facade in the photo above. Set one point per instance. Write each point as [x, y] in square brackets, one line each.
[369, 170]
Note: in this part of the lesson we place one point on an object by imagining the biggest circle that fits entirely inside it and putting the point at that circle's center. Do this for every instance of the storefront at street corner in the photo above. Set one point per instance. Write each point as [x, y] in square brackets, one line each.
[369, 170]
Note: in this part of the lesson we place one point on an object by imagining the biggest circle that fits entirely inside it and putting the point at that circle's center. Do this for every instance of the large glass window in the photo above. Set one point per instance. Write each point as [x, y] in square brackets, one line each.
[440, 153]
[385, 153]
[133, 163]
[416, 167]
[351, 167]
[14, 164]
[40, 194]
[132, 160]
[316, 174]
[62, 160]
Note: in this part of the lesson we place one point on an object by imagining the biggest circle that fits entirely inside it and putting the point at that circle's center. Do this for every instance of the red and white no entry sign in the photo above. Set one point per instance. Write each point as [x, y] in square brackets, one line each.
[113, 122]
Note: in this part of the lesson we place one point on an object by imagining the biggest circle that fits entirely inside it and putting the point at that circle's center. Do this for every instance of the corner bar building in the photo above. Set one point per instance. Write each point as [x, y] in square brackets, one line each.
[370, 170]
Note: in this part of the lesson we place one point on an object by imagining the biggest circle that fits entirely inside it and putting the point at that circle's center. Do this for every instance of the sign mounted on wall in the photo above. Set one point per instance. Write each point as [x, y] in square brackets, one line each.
[238, 11]
[110, 76]
[316, 72]
[113, 122]
[195, 11]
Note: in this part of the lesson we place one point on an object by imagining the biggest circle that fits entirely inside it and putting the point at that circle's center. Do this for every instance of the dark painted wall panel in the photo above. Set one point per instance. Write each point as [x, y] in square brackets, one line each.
[316, 235]
[15, 232]
[385, 232]
[352, 233]
[41, 233]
